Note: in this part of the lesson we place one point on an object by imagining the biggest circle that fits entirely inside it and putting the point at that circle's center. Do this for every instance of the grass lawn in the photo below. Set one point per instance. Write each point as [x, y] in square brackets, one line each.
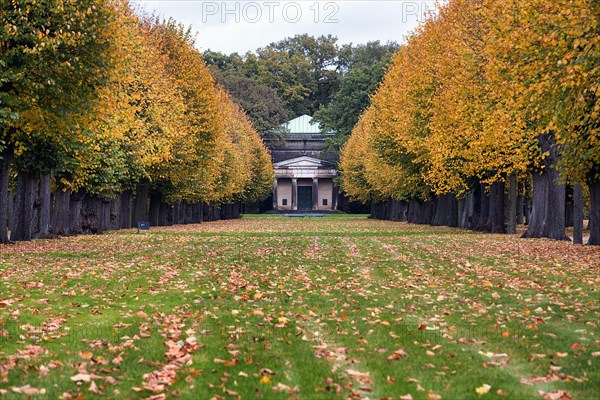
[319, 308]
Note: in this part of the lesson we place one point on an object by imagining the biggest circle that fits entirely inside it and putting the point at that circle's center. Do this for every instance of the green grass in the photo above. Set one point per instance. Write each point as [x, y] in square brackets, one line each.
[309, 308]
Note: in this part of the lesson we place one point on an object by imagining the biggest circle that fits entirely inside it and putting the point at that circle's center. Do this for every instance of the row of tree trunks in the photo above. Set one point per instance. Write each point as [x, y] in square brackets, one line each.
[211, 212]
[479, 210]
[446, 211]
[391, 209]
[231, 211]
[38, 213]
[484, 209]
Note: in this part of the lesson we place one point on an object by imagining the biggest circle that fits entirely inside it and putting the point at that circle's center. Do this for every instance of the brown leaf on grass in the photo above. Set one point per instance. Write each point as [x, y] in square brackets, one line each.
[94, 388]
[540, 379]
[280, 387]
[557, 395]
[81, 377]
[28, 390]
[397, 355]
[575, 346]
[161, 396]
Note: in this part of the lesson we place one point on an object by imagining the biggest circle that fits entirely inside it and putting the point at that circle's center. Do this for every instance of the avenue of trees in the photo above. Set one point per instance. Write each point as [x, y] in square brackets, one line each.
[488, 115]
[108, 118]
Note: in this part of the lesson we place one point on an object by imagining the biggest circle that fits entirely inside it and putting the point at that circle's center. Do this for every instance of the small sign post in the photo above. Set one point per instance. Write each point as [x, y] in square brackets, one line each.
[143, 226]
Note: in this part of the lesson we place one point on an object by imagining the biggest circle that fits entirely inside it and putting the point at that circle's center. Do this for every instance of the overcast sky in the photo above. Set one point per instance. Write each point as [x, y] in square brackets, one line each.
[241, 26]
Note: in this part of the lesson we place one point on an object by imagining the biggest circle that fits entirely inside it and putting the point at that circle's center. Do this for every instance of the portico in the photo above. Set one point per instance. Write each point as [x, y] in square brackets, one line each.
[304, 183]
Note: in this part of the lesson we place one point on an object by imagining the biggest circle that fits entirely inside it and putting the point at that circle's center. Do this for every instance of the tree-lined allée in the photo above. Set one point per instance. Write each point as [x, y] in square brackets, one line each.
[487, 100]
[118, 116]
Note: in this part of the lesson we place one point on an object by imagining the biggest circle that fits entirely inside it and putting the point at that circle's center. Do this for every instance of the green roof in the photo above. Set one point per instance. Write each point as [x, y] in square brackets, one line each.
[303, 125]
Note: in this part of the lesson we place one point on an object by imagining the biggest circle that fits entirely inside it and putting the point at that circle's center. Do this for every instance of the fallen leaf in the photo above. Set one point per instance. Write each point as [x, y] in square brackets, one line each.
[483, 389]
[28, 390]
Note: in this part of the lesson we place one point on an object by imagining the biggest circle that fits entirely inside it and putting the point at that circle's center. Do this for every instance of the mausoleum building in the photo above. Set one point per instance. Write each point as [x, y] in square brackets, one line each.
[304, 178]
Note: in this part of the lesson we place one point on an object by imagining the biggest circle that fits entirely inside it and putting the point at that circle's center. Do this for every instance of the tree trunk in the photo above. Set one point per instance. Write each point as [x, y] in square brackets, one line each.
[45, 205]
[36, 208]
[11, 210]
[24, 207]
[60, 212]
[512, 205]
[548, 216]
[495, 221]
[594, 223]
[414, 212]
[484, 211]
[170, 215]
[465, 210]
[140, 210]
[176, 213]
[197, 213]
[528, 197]
[163, 214]
[426, 212]
[155, 201]
[474, 220]
[441, 211]
[6, 160]
[89, 222]
[538, 209]
[453, 217]
[569, 207]
[104, 213]
[577, 214]
[520, 204]
[125, 217]
[75, 202]
[115, 214]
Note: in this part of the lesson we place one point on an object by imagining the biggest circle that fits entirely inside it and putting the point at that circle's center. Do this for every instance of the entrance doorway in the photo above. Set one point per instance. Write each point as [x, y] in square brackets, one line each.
[304, 197]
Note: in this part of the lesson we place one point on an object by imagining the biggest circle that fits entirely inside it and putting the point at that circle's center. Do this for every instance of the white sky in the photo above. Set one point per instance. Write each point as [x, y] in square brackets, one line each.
[245, 25]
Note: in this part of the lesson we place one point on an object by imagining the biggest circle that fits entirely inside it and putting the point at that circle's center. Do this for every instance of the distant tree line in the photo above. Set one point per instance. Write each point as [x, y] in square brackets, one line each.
[488, 115]
[304, 75]
[108, 118]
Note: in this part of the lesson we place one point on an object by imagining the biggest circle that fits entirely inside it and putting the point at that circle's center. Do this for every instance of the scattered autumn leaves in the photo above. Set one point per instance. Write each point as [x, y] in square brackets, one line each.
[335, 308]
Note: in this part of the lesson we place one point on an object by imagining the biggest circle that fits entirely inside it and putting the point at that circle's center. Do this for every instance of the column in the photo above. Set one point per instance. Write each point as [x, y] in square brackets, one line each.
[334, 195]
[275, 205]
[315, 193]
[294, 193]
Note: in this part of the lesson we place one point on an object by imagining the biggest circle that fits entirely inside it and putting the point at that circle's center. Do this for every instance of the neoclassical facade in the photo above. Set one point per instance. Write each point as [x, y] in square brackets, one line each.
[304, 183]
[304, 180]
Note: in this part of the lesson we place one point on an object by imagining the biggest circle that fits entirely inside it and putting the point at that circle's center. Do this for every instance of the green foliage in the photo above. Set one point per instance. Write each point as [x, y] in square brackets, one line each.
[261, 103]
[365, 66]
[308, 74]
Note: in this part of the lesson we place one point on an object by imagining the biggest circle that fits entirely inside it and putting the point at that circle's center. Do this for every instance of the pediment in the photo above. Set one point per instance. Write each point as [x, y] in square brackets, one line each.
[304, 162]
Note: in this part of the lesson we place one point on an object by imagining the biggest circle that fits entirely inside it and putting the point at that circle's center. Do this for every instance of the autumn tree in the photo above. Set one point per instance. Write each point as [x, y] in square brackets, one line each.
[546, 56]
[54, 56]
[485, 92]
